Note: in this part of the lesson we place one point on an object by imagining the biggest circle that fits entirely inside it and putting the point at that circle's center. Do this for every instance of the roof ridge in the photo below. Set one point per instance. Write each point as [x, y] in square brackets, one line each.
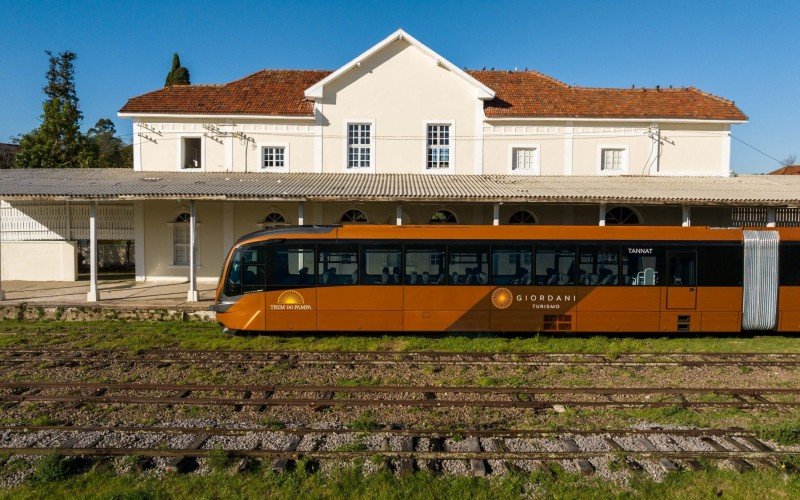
[532, 71]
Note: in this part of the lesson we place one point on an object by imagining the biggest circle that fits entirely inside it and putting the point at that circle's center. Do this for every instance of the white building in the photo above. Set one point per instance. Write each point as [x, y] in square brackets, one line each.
[397, 135]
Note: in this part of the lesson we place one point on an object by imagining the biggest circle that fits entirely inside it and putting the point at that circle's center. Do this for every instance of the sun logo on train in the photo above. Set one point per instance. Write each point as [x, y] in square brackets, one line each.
[502, 298]
[290, 297]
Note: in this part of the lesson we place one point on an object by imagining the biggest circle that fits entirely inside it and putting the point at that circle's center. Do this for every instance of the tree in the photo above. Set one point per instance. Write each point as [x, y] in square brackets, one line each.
[58, 141]
[790, 160]
[110, 150]
[178, 75]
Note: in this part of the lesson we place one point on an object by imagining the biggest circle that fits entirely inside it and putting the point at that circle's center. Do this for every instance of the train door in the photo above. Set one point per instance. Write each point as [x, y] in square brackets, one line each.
[681, 279]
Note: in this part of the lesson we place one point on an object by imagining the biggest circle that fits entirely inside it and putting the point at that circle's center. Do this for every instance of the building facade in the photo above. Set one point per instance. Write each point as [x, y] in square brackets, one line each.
[483, 147]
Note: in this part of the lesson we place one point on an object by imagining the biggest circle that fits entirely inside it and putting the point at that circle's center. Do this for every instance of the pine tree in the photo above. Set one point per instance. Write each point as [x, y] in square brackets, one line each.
[178, 75]
[58, 141]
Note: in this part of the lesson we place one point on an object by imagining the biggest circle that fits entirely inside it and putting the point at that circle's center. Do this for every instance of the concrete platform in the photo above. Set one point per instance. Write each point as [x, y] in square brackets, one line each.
[119, 294]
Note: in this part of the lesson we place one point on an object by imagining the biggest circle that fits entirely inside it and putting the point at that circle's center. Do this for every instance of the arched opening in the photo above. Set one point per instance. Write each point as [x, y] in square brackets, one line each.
[443, 217]
[622, 216]
[522, 217]
[392, 219]
[274, 219]
[180, 239]
[354, 216]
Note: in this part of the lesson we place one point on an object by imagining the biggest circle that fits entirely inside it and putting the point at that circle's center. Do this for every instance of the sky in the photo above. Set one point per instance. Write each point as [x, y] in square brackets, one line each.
[744, 51]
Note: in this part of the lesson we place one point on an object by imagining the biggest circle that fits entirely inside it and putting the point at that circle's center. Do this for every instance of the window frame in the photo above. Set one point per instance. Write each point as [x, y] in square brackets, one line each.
[387, 247]
[203, 156]
[451, 123]
[262, 147]
[624, 159]
[372, 145]
[173, 224]
[345, 246]
[536, 168]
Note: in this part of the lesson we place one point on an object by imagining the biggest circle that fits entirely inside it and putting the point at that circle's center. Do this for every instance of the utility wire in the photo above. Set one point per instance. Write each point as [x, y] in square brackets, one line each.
[781, 162]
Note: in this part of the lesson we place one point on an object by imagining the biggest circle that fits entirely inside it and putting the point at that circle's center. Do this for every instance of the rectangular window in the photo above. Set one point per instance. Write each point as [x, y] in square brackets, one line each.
[788, 265]
[438, 149]
[381, 265]
[721, 265]
[641, 265]
[359, 145]
[192, 154]
[254, 276]
[681, 269]
[611, 159]
[180, 244]
[512, 266]
[424, 265]
[524, 159]
[274, 157]
[338, 265]
[294, 265]
[599, 265]
[555, 265]
[468, 265]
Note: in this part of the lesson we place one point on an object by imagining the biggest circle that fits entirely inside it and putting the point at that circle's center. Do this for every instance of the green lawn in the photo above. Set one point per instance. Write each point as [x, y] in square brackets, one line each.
[352, 483]
[197, 335]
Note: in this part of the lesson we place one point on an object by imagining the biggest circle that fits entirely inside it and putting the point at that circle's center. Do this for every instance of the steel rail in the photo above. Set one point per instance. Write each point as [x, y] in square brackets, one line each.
[415, 455]
[6, 384]
[421, 433]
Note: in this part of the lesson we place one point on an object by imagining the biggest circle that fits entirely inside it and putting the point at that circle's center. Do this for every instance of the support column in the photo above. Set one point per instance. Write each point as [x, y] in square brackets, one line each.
[686, 217]
[399, 214]
[192, 295]
[2, 293]
[496, 214]
[301, 213]
[601, 216]
[138, 241]
[93, 295]
[772, 216]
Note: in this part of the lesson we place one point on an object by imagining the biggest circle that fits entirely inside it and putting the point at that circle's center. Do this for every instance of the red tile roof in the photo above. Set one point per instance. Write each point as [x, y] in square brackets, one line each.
[787, 170]
[267, 92]
[518, 94]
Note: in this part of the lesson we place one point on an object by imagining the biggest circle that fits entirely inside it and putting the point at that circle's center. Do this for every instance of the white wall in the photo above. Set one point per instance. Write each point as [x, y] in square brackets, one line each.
[39, 261]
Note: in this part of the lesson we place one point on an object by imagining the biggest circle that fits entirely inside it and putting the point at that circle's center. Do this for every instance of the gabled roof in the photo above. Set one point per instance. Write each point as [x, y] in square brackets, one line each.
[315, 91]
[506, 94]
[271, 92]
[787, 170]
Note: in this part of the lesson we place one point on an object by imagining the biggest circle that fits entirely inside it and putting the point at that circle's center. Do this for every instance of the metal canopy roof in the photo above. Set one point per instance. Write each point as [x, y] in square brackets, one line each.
[123, 184]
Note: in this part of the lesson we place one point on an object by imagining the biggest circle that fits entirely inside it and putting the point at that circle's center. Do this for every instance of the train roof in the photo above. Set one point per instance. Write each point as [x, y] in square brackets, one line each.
[509, 232]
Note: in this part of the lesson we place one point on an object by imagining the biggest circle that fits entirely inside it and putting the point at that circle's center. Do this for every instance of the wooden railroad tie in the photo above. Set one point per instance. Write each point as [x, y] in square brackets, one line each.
[280, 464]
[184, 463]
[477, 465]
[665, 463]
[738, 464]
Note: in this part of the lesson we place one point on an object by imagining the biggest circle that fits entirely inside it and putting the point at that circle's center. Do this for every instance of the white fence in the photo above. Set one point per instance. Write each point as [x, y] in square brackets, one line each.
[36, 221]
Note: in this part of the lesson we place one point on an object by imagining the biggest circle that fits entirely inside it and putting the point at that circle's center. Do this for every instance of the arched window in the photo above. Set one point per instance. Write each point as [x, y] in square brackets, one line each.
[354, 216]
[274, 219]
[522, 217]
[392, 219]
[619, 216]
[180, 239]
[444, 217]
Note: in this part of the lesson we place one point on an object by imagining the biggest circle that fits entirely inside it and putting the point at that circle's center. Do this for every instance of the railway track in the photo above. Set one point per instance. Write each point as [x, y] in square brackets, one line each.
[166, 357]
[408, 449]
[321, 396]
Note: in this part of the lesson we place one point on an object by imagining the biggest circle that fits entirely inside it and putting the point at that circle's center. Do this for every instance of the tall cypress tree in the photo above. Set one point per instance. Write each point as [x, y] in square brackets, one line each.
[178, 75]
[58, 141]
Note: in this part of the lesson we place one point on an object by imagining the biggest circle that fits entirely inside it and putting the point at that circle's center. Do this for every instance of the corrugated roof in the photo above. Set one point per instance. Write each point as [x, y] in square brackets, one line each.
[128, 184]
[518, 94]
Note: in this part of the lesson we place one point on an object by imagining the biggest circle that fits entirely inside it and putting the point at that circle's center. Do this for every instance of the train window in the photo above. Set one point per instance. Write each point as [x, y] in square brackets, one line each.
[512, 265]
[380, 265]
[720, 265]
[598, 265]
[253, 271]
[424, 265]
[640, 265]
[338, 265]
[789, 264]
[294, 265]
[233, 278]
[681, 269]
[555, 265]
[468, 265]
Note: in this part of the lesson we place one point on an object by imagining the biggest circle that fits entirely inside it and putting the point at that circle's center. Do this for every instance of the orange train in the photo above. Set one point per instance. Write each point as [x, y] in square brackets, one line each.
[512, 279]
